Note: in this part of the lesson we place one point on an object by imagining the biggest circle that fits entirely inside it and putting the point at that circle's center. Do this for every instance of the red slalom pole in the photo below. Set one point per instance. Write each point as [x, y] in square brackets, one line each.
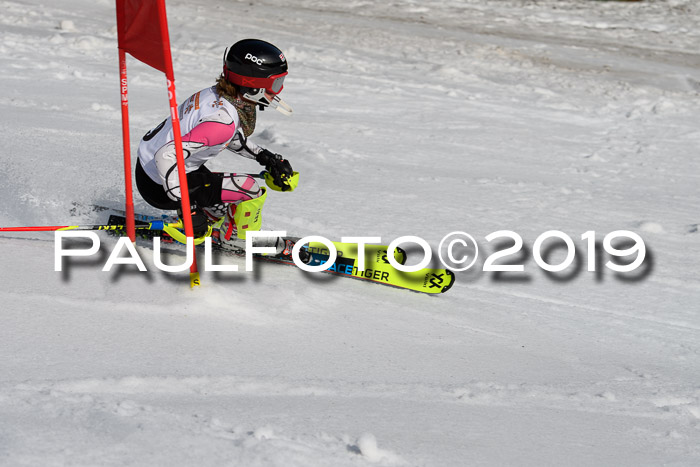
[129, 208]
[181, 172]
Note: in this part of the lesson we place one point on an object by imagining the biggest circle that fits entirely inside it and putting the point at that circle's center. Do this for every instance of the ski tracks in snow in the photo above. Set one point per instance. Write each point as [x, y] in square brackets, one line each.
[169, 410]
[129, 415]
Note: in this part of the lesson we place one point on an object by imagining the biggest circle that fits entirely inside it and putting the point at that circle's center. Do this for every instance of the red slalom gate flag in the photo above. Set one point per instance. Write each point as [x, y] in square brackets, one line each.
[142, 29]
[143, 32]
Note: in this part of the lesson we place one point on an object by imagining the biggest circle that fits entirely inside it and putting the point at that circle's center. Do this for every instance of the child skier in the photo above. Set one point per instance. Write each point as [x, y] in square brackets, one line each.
[211, 120]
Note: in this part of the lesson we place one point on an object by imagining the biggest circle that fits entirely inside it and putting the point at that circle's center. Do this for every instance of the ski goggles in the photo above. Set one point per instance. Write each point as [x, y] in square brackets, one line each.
[272, 84]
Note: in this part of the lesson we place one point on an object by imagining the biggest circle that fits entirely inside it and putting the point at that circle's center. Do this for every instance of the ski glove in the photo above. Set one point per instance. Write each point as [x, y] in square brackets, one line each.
[280, 169]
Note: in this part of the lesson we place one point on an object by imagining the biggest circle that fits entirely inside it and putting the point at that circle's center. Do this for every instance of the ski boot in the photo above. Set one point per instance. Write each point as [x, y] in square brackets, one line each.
[227, 234]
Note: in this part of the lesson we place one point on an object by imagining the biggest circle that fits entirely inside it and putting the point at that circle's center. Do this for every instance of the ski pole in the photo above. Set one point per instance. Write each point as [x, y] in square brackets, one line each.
[171, 229]
[157, 225]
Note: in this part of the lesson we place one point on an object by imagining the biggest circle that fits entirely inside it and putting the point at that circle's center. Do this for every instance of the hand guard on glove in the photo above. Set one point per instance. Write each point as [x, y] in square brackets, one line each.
[200, 222]
[279, 168]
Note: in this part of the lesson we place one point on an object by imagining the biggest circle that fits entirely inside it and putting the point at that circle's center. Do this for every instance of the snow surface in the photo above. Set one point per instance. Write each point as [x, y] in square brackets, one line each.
[411, 118]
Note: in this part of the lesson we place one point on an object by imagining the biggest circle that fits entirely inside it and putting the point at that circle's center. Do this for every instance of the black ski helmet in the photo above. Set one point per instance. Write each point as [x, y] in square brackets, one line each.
[255, 66]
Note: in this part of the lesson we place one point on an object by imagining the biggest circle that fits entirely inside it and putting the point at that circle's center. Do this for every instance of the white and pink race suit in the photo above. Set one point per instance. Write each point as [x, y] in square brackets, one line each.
[209, 123]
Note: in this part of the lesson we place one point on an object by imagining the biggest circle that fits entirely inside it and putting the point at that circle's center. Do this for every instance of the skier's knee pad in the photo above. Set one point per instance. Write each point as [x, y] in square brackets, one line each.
[237, 188]
[245, 200]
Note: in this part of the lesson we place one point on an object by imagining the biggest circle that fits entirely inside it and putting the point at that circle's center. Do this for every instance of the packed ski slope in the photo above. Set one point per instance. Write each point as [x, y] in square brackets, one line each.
[411, 118]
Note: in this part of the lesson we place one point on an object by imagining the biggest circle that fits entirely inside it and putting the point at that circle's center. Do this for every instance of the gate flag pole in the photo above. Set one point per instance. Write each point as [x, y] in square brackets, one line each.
[142, 30]
[130, 223]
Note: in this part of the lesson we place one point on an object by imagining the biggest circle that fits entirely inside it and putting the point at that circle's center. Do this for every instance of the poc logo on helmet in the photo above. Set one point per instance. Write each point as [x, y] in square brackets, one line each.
[254, 59]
